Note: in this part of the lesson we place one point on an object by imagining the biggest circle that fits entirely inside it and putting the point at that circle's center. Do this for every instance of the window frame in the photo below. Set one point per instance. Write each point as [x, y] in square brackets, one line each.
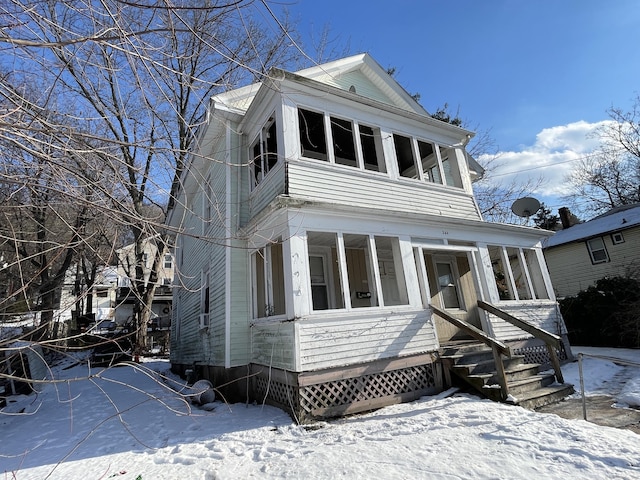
[532, 282]
[617, 238]
[266, 283]
[264, 160]
[592, 251]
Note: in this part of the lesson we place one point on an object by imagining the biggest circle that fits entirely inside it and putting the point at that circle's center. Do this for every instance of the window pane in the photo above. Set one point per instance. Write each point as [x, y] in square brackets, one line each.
[277, 305]
[597, 250]
[535, 272]
[344, 149]
[326, 287]
[362, 287]
[259, 298]
[313, 142]
[447, 285]
[271, 145]
[404, 154]
[519, 275]
[394, 288]
[450, 168]
[371, 143]
[500, 274]
[429, 162]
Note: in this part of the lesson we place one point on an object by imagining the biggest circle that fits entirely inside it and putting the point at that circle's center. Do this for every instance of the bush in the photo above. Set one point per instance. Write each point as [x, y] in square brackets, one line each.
[605, 315]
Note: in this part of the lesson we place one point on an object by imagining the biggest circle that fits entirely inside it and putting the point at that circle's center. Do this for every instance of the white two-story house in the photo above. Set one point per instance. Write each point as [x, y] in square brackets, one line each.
[323, 218]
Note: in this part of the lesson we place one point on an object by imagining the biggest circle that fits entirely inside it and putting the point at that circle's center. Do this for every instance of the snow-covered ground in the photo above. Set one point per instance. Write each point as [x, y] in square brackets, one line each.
[123, 423]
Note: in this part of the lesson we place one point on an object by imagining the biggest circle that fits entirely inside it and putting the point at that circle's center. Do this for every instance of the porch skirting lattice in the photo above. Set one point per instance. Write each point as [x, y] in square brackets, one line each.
[352, 389]
[535, 351]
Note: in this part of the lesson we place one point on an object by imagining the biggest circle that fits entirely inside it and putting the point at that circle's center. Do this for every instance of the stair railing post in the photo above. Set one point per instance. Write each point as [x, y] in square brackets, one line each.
[555, 363]
[502, 377]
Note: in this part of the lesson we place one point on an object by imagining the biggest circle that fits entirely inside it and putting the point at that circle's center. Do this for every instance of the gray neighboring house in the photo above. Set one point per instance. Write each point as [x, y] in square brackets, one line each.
[605, 246]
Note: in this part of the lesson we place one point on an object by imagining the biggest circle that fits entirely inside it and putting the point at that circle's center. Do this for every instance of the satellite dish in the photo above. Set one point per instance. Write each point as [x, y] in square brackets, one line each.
[525, 207]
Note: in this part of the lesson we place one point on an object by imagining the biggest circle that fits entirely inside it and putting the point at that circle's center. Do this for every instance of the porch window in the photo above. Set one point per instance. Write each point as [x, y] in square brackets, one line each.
[362, 285]
[344, 149]
[326, 287]
[501, 275]
[518, 273]
[268, 281]
[430, 164]
[264, 151]
[450, 167]
[371, 144]
[313, 140]
[405, 157]
[535, 272]
[392, 279]
[597, 250]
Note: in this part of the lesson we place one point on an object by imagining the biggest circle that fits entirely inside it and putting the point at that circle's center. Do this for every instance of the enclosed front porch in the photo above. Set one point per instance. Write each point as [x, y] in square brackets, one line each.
[334, 305]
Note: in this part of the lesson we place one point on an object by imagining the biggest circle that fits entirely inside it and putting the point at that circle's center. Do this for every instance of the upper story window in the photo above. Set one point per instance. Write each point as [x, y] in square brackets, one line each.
[597, 250]
[264, 151]
[352, 144]
[437, 163]
[168, 261]
[617, 238]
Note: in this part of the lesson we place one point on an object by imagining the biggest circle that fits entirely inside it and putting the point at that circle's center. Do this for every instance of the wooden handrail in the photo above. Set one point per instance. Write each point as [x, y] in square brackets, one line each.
[551, 340]
[497, 347]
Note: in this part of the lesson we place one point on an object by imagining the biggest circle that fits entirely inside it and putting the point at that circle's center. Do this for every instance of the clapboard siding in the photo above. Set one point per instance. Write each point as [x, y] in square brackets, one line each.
[545, 316]
[272, 186]
[571, 269]
[315, 181]
[326, 343]
[240, 294]
[363, 86]
[274, 345]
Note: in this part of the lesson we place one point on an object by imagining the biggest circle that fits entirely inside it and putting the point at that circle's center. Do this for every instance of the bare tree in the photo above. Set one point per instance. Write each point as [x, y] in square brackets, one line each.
[611, 176]
[494, 197]
[139, 76]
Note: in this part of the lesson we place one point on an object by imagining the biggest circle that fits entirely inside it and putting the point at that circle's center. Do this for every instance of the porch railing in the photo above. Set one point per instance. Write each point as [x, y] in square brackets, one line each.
[553, 342]
[497, 347]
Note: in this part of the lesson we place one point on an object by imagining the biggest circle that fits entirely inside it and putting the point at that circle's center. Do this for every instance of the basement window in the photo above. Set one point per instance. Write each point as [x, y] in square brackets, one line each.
[597, 250]
[264, 151]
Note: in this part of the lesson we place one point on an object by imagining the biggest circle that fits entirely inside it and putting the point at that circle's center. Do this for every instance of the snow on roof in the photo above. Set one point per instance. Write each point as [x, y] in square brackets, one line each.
[616, 219]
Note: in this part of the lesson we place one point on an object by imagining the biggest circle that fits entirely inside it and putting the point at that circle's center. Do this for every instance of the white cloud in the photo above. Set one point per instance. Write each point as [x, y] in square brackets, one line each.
[552, 157]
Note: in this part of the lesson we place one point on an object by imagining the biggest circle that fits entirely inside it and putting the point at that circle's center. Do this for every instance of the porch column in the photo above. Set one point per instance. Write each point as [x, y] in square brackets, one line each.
[296, 278]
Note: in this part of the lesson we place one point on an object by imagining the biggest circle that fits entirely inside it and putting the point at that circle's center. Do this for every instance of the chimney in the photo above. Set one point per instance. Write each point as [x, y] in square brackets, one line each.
[565, 217]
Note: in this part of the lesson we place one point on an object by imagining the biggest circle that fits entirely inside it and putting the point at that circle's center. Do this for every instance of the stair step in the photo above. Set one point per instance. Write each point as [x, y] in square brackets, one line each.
[528, 384]
[488, 365]
[543, 396]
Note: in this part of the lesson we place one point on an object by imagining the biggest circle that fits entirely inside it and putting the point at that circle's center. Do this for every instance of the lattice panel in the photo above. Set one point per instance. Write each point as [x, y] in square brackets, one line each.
[366, 387]
[539, 354]
[276, 391]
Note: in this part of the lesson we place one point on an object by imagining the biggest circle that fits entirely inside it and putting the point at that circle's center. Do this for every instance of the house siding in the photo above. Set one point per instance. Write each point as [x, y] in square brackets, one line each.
[316, 182]
[544, 315]
[331, 342]
[571, 269]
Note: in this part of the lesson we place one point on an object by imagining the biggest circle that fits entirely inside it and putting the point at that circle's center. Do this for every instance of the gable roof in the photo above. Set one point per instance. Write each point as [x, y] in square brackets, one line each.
[615, 220]
[359, 74]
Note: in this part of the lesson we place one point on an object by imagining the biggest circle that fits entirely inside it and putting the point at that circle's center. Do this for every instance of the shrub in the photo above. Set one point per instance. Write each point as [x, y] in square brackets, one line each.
[605, 315]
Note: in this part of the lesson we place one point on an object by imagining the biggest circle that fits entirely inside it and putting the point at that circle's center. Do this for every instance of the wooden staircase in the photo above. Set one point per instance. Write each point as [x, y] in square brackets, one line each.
[474, 363]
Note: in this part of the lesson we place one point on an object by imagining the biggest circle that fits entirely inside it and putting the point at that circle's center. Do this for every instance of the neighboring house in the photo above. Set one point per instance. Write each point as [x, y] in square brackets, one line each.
[323, 217]
[111, 298]
[606, 246]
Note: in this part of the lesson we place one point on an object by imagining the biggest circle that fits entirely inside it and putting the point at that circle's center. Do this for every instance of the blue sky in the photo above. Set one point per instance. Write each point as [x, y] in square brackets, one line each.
[540, 74]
